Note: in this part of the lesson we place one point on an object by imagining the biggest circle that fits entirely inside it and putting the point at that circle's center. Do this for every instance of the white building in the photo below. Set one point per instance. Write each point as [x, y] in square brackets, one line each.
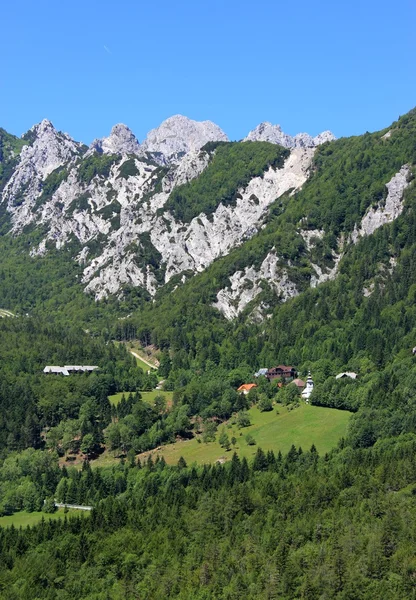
[306, 393]
[349, 374]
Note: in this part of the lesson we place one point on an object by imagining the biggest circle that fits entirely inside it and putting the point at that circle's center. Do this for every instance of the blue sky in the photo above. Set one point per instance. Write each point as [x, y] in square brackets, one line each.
[309, 66]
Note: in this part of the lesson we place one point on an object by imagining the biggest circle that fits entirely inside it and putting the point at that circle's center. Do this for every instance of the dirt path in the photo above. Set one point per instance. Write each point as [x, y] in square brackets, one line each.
[142, 359]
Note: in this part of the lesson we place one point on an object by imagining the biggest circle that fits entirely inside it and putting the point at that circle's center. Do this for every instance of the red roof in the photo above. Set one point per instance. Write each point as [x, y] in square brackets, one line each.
[246, 387]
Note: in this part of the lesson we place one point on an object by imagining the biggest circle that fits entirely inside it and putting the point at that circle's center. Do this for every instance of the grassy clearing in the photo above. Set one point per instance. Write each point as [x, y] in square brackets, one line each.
[146, 396]
[142, 364]
[147, 357]
[302, 426]
[23, 518]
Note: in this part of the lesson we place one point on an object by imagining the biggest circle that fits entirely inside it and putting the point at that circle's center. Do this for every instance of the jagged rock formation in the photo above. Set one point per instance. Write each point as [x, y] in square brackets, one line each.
[266, 132]
[120, 141]
[179, 135]
[118, 219]
[48, 150]
[194, 246]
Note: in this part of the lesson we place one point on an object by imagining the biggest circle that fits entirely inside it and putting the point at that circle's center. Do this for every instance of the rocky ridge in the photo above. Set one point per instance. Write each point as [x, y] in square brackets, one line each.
[266, 132]
[125, 236]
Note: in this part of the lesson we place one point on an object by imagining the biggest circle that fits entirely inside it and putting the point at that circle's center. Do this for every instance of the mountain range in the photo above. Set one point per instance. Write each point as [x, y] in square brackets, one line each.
[112, 199]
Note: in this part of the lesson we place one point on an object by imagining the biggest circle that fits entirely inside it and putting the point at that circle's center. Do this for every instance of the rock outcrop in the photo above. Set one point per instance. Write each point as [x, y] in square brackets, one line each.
[266, 132]
[120, 141]
[388, 211]
[179, 135]
[248, 284]
[48, 150]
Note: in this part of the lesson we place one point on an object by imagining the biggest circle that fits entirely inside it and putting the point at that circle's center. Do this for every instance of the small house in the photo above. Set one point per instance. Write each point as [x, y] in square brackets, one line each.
[349, 374]
[246, 388]
[299, 383]
[80, 368]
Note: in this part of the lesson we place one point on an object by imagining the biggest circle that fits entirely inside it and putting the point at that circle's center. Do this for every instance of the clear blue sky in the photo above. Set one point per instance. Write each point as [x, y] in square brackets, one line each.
[308, 65]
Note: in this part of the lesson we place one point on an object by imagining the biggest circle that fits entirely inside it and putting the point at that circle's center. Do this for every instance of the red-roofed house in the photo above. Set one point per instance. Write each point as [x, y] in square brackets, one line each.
[246, 387]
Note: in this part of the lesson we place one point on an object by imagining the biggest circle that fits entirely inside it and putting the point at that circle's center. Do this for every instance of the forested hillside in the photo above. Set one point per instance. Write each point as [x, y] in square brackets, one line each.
[298, 526]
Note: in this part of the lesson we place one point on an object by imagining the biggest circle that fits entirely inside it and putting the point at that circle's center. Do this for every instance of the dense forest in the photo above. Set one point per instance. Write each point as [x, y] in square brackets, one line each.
[298, 525]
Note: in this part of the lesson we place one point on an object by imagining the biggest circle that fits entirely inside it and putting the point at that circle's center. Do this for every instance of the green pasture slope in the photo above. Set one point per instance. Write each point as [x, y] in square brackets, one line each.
[24, 518]
[302, 426]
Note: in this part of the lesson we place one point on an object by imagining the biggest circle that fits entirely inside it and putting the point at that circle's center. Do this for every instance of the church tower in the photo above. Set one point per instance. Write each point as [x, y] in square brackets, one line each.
[306, 393]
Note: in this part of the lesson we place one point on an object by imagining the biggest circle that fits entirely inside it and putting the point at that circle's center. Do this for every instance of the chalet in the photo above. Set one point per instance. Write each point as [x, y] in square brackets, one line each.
[246, 388]
[281, 371]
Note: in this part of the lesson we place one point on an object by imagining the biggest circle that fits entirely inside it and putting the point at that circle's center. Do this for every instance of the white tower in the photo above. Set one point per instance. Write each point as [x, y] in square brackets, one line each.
[307, 391]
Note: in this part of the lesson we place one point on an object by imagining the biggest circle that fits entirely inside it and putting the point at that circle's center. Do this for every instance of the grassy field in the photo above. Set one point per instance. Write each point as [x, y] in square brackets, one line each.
[302, 426]
[146, 396]
[23, 518]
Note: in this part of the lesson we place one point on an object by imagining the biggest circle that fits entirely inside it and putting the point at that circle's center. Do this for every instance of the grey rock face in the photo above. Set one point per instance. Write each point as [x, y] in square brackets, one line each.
[120, 141]
[49, 150]
[179, 135]
[392, 208]
[247, 285]
[266, 132]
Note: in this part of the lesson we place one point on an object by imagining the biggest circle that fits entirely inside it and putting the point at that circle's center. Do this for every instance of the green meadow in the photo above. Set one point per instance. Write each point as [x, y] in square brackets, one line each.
[302, 426]
[146, 396]
[24, 518]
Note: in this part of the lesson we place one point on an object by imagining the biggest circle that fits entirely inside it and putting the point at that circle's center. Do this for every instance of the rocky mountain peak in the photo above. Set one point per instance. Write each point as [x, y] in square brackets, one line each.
[120, 141]
[179, 135]
[47, 150]
[266, 132]
[325, 136]
[43, 127]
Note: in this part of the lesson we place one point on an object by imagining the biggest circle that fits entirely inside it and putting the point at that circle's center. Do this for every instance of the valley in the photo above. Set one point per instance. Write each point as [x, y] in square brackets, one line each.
[179, 267]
